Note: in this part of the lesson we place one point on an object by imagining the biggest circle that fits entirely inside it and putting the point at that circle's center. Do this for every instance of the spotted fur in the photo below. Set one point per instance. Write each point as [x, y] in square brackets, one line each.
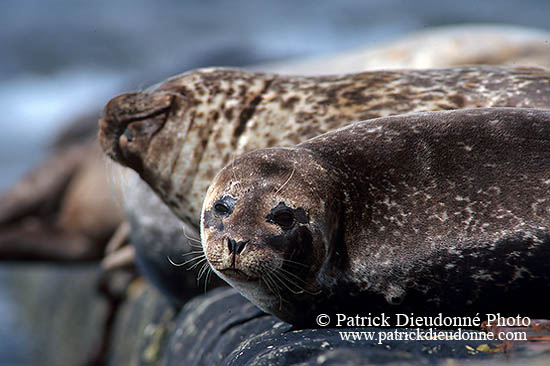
[425, 212]
[180, 133]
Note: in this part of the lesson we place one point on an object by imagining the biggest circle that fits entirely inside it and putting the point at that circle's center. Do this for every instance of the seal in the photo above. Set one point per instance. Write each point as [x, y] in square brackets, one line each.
[428, 212]
[177, 135]
[61, 210]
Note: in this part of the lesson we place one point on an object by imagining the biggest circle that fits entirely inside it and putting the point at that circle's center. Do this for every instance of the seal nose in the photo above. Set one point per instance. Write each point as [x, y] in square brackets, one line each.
[235, 247]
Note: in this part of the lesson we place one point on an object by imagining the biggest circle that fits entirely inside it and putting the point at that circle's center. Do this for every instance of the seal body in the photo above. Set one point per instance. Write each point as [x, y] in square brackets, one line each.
[179, 134]
[428, 212]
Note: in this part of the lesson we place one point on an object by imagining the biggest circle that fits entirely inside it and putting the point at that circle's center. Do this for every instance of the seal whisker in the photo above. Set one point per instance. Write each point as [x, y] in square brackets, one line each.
[284, 274]
[269, 273]
[291, 262]
[191, 239]
[283, 280]
[174, 263]
[200, 252]
[286, 182]
[193, 246]
[197, 263]
[237, 182]
[264, 278]
[301, 289]
[202, 271]
[288, 273]
[207, 278]
[275, 287]
[202, 258]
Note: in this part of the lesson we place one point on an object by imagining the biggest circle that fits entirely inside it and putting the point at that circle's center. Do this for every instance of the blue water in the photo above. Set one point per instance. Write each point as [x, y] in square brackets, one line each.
[62, 58]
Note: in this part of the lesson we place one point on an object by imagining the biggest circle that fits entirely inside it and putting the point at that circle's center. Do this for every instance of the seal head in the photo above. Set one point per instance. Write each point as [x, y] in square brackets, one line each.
[271, 233]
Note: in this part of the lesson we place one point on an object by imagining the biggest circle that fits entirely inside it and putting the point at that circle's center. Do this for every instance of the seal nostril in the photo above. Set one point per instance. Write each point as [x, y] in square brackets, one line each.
[240, 246]
[235, 247]
[231, 244]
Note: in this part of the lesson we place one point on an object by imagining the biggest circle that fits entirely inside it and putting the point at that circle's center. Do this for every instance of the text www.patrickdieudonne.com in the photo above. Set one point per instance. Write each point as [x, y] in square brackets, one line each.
[422, 328]
[431, 334]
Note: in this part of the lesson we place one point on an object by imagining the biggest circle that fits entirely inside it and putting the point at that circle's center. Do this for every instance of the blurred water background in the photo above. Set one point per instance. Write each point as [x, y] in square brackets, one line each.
[64, 58]
[61, 59]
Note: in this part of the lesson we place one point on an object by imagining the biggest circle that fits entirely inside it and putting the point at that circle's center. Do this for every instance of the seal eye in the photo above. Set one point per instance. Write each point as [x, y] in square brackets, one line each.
[129, 134]
[284, 219]
[221, 208]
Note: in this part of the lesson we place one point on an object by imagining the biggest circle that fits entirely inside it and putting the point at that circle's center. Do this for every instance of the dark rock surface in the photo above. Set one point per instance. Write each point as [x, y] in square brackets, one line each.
[141, 327]
[50, 314]
[223, 328]
[57, 317]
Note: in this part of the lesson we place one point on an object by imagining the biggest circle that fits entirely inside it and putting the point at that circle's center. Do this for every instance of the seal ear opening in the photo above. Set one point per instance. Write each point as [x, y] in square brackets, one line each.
[395, 295]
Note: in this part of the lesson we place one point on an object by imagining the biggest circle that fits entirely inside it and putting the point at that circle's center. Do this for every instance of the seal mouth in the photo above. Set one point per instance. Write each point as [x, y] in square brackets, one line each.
[138, 117]
[237, 274]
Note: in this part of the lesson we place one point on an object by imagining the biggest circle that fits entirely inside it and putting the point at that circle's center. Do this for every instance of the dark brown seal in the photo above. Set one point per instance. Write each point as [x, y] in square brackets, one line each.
[62, 210]
[180, 133]
[428, 212]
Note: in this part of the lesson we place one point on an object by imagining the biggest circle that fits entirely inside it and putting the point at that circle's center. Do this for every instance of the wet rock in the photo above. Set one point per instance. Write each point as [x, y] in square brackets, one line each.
[49, 315]
[223, 328]
[141, 329]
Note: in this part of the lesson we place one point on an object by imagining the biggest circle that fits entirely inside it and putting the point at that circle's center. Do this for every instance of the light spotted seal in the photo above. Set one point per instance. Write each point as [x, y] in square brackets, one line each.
[179, 134]
[427, 212]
